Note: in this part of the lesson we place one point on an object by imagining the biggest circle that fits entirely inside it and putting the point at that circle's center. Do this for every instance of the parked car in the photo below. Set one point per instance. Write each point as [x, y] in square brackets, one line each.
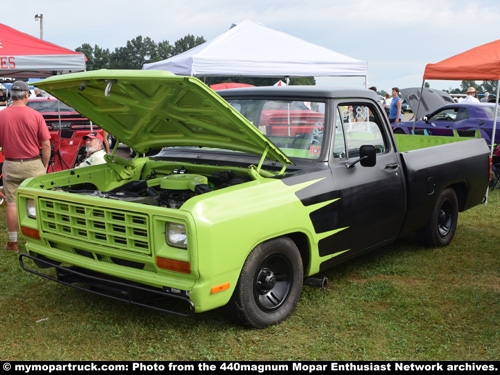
[67, 128]
[405, 107]
[455, 119]
[279, 118]
[291, 118]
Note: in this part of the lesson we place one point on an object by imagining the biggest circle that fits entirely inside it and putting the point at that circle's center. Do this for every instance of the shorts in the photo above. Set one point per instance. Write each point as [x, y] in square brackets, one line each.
[15, 172]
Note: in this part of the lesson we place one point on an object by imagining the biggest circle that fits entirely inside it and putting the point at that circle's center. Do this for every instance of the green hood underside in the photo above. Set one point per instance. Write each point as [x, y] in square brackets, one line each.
[154, 109]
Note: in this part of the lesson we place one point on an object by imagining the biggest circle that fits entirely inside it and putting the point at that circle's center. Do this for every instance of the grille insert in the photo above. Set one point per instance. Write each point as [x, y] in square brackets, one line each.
[97, 225]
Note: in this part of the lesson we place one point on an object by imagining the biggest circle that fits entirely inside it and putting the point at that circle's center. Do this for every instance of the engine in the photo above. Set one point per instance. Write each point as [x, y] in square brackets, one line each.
[170, 191]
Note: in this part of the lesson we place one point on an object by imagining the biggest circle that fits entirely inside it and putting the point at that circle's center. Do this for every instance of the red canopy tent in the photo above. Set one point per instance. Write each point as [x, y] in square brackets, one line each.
[25, 56]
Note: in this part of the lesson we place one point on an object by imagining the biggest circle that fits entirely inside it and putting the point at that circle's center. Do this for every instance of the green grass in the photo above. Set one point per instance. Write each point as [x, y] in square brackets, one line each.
[402, 302]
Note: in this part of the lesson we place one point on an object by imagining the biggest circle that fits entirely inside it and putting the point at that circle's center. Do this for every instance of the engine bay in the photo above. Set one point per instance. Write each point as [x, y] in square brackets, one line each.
[170, 191]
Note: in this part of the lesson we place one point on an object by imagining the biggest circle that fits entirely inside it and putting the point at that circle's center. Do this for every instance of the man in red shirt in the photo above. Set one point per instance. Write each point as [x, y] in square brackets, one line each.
[23, 136]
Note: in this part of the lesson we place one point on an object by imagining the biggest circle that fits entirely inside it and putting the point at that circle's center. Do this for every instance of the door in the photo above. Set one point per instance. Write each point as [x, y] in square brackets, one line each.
[371, 205]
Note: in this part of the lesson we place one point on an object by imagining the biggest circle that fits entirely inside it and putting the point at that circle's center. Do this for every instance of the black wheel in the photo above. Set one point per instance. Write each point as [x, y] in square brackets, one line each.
[270, 284]
[441, 227]
[398, 131]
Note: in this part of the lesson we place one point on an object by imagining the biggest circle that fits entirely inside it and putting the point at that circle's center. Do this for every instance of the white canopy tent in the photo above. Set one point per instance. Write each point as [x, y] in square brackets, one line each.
[253, 50]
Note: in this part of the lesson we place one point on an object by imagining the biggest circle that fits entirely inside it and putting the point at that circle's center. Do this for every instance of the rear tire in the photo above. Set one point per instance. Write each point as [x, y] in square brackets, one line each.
[441, 227]
[270, 284]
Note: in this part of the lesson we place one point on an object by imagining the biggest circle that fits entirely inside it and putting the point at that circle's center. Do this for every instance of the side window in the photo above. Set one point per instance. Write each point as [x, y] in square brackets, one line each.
[358, 124]
[462, 114]
[448, 114]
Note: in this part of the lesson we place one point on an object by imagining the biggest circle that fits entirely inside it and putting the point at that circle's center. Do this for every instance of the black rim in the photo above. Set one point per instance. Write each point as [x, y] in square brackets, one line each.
[445, 219]
[273, 281]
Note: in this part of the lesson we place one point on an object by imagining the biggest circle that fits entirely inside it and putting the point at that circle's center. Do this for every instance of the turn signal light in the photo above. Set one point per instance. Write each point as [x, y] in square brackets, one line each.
[173, 265]
[219, 288]
[30, 232]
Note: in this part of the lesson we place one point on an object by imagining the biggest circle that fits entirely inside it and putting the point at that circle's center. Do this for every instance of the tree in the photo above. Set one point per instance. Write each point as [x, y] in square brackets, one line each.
[466, 84]
[134, 55]
[186, 43]
[490, 86]
[98, 58]
[164, 51]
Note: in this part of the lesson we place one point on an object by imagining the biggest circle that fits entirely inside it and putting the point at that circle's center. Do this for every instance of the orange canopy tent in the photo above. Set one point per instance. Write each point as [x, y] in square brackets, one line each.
[479, 63]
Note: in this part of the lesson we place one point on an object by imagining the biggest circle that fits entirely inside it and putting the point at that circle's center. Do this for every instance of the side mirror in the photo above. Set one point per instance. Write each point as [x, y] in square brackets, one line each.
[368, 155]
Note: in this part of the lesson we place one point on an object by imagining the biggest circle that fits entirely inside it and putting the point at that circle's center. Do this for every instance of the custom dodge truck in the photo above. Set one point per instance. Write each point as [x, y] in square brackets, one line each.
[224, 215]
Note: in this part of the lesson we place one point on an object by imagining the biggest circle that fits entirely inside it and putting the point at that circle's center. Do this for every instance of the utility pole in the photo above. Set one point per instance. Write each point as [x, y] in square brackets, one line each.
[40, 17]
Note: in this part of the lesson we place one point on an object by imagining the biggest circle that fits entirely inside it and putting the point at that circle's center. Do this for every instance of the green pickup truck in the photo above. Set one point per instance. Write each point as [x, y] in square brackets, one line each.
[225, 215]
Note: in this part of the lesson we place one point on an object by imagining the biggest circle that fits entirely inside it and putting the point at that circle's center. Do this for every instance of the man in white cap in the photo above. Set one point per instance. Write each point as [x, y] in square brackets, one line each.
[23, 137]
[471, 96]
[95, 151]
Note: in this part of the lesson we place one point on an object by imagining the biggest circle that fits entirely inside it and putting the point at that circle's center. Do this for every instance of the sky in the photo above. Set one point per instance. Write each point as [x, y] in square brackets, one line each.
[397, 38]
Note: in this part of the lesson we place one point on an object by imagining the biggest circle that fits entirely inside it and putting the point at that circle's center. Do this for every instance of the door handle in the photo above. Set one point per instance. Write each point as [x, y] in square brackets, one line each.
[392, 166]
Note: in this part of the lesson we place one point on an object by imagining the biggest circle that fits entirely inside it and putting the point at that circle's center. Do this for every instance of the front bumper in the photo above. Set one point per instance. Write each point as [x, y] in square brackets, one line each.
[167, 300]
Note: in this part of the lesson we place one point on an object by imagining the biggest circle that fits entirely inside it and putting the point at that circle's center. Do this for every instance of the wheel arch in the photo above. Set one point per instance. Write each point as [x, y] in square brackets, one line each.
[302, 242]
[460, 189]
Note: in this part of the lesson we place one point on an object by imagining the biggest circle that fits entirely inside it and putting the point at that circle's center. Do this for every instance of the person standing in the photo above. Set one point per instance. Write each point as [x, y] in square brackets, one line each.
[471, 96]
[395, 113]
[485, 97]
[3, 98]
[387, 103]
[94, 149]
[23, 136]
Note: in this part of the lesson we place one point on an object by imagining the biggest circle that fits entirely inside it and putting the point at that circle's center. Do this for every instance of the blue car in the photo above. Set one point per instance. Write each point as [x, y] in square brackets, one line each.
[455, 119]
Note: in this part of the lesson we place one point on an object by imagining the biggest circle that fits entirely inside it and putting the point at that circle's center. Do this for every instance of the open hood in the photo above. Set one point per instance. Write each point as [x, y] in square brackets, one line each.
[431, 100]
[154, 109]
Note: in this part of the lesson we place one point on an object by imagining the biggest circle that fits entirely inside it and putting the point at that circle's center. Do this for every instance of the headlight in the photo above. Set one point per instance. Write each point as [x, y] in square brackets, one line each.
[30, 208]
[176, 235]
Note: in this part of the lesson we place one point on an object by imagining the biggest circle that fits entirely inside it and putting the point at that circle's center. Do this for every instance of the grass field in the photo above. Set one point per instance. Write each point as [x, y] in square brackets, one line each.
[402, 302]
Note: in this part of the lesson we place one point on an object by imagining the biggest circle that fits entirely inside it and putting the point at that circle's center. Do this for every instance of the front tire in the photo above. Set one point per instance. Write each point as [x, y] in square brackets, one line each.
[441, 227]
[270, 284]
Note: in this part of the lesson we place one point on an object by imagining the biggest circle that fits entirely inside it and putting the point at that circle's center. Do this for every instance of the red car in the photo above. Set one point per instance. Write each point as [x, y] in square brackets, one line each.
[67, 128]
[289, 118]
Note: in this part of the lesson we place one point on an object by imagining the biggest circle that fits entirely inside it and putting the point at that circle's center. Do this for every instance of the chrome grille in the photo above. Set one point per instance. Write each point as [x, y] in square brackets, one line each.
[98, 225]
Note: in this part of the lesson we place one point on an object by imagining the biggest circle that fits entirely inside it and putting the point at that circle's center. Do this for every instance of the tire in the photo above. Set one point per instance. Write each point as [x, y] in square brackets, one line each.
[270, 284]
[398, 131]
[441, 227]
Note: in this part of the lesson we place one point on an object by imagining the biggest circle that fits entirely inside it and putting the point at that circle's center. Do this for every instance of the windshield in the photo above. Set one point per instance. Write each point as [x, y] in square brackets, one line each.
[490, 111]
[296, 127]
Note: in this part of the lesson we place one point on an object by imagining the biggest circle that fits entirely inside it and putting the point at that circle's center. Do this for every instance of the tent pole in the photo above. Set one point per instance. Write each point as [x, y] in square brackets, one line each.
[493, 133]
[418, 106]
